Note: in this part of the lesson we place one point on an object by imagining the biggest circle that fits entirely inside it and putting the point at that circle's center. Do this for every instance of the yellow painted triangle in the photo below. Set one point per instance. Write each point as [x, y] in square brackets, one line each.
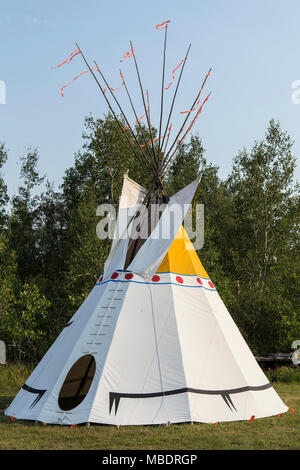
[182, 257]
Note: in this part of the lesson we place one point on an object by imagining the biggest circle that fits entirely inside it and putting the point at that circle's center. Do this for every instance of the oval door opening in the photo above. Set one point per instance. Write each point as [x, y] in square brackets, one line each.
[77, 383]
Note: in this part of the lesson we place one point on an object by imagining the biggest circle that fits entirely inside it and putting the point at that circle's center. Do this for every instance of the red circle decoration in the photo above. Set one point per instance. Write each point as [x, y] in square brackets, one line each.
[155, 278]
[179, 279]
[211, 284]
[199, 281]
[114, 275]
[129, 276]
[100, 279]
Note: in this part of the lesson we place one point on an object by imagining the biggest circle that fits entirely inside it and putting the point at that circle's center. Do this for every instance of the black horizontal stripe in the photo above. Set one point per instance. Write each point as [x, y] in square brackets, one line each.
[114, 398]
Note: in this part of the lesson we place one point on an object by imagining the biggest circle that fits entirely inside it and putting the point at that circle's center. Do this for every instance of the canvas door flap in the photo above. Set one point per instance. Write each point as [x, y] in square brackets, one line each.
[156, 246]
[131, 197]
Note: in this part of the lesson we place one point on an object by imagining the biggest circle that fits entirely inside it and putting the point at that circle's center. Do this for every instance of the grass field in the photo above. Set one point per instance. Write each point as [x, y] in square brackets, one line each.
[269, 433]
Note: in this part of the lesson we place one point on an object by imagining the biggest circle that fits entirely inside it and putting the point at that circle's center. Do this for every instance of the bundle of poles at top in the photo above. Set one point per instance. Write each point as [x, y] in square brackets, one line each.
[156, 158]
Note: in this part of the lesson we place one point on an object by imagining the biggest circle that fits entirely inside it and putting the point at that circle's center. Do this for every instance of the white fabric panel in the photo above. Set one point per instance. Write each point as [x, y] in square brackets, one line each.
[131, 196]
[156, 246]
[72, 343]
[216, 357]
[144, 357]
[212, 408]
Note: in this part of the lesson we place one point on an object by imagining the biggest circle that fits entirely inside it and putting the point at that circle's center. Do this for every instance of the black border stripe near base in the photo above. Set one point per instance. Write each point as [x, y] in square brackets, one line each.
[114, 397]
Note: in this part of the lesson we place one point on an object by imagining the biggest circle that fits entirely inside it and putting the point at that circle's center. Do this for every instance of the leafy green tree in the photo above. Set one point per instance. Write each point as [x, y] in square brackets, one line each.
[3, 189]
[263, 234]
[101, 164]
[22, 233]
[24, 324]
[50, 232]
[23, 311]
[8, 283]
[23, 307]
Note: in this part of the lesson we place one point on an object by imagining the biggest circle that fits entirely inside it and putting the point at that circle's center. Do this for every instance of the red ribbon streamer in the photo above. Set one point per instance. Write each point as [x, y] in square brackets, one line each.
[68, 60]
[122, 78]
[112, 89]
[125, 128]
[127, 54]
[77, 76]
[173, 73]
[158, 26]
[197, 104]
[195, 119]
[157, 138]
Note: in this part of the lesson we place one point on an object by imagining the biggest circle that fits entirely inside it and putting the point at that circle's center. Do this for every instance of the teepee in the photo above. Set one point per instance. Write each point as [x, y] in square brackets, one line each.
[153, 342]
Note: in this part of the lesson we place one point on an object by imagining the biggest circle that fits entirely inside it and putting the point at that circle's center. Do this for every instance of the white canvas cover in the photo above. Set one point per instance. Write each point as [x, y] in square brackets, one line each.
[165, 349]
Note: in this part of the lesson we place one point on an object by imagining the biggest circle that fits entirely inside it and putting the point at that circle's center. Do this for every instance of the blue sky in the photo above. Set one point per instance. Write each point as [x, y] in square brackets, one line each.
[252, 46]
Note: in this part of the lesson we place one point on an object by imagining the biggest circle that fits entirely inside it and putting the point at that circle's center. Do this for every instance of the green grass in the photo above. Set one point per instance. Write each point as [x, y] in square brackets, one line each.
[13, 376]
[269, 433]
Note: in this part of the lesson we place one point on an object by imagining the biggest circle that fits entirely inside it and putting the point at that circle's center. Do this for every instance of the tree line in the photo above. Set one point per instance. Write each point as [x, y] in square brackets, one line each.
[50, 256]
